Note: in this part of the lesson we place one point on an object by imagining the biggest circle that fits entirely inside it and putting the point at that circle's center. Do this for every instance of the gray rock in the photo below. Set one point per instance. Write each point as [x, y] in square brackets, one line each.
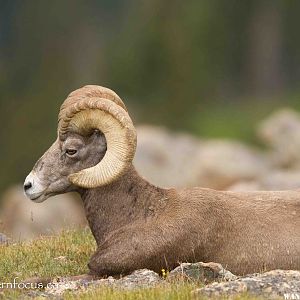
[165, 158]
[205, 272]
[271, 285]
[221, 163]
[281, 132]
[138, 279]
[243, 186]
[168, 158]
[275, 180]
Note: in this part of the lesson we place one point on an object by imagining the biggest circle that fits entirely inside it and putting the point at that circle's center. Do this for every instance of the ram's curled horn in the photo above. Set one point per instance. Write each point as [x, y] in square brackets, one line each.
[94, 107]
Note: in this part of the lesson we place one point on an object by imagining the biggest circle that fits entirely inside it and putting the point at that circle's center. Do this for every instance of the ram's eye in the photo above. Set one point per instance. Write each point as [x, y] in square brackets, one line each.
[71, 152]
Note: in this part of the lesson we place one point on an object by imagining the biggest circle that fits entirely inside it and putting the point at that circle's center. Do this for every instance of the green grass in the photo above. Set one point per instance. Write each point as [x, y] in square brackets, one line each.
[175, 291]
[180, 291]
[39, 258]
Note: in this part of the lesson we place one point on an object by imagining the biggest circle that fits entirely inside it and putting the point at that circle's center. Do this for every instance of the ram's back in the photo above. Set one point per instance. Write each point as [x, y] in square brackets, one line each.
[245, 230]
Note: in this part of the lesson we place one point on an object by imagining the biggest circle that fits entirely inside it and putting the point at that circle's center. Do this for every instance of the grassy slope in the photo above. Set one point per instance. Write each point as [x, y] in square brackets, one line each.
[40, 258]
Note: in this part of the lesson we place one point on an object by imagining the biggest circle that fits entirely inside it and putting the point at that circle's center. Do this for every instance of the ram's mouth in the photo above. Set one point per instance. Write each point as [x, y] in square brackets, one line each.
[34, 196]
[39, 197]
[42, 197]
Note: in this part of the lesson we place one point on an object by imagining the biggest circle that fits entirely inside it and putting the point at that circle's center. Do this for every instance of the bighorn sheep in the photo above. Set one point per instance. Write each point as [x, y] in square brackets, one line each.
[139, 225]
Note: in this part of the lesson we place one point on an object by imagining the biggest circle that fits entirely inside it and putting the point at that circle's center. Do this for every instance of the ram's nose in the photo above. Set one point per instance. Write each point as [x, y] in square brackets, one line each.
[33, 187]
[27, 185]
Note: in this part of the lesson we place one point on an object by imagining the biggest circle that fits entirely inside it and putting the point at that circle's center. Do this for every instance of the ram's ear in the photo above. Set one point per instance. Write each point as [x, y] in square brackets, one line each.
[97, 132]
[98, 137]
[94, 134]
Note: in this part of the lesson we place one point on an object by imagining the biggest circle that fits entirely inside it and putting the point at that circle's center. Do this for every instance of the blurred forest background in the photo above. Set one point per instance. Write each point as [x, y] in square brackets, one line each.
[213, 68]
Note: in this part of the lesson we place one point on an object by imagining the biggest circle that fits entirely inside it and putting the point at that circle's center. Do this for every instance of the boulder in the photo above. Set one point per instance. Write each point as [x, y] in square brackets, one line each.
[281, 133]
[270, 285]
[221, 163]
[138, 279]
[204, 272]
[166, 158]
[283, 284]
[175, 159]
[275, 180]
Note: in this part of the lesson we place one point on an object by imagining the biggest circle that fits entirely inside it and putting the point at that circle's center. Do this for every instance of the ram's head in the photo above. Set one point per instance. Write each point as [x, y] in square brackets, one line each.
[95, 145]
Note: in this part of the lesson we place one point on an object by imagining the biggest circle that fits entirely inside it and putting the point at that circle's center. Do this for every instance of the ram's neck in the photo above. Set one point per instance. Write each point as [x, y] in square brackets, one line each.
[129, 198]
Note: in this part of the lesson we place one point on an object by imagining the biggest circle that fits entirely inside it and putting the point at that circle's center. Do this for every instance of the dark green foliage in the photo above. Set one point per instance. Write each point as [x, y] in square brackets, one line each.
[211, 67]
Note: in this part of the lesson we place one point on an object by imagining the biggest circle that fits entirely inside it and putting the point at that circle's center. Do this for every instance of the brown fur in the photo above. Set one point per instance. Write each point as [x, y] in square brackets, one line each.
[137, 225]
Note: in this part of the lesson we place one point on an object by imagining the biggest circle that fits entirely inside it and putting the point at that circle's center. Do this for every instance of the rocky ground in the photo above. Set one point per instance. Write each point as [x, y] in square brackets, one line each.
[217, 281]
